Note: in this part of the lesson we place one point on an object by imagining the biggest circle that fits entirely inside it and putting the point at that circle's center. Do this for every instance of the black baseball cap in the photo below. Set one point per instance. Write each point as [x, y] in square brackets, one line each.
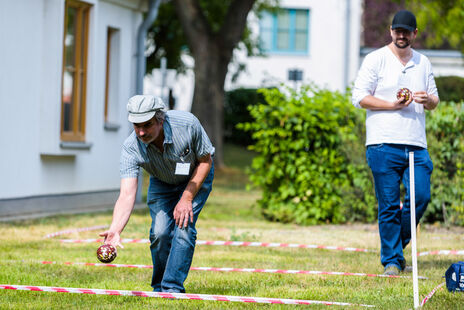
[404, 19]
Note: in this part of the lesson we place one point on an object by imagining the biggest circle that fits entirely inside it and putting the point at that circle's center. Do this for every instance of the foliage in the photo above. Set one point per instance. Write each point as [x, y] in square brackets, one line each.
[377, 17]
[236, 111]
[445, 126]
[443, 19]
[450, 88]
[166, 37]
[303, 165]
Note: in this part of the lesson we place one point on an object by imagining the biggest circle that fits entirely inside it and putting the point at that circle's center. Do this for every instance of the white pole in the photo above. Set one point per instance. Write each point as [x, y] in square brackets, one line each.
[412, 198]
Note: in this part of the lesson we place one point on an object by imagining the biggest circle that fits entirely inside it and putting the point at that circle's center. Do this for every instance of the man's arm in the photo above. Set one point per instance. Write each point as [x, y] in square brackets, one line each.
[373, 103]
[183, 210]
[429, 101]
[122, 211]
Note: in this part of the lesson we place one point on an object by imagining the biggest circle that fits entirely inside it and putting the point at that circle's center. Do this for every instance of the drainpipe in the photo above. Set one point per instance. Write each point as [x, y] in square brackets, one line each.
[141, 65]
[346, 68]
[153, 6]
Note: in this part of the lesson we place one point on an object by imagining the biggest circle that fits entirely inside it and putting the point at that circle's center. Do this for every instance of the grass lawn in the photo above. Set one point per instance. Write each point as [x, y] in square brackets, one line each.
[228, 215]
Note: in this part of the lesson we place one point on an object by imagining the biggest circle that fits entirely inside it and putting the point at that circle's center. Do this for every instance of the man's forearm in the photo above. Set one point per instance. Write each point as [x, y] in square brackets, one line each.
[373, 103]
[198, 177]
[124, 205]
[432, 102]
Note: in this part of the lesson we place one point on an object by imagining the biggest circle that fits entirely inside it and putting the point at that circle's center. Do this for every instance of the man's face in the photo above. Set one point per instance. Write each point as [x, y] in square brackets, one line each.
[148, 131]
[402, 38]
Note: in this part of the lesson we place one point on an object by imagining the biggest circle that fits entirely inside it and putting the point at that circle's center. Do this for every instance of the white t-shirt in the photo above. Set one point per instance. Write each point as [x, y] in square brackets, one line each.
[382, 75]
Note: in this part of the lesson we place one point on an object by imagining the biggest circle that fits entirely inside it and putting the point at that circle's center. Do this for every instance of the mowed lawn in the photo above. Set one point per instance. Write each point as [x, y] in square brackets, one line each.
[230, 214]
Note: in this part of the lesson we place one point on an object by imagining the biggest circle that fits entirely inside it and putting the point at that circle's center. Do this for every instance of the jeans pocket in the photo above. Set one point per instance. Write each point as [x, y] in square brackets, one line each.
[370, 150]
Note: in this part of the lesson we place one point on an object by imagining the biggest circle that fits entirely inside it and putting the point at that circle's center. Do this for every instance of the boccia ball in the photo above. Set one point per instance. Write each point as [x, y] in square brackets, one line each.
[404, 94]
[106, 253]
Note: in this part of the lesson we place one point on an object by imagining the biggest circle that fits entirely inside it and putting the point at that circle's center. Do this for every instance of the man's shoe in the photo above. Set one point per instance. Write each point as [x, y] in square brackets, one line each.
[407, 269]
[392, 270]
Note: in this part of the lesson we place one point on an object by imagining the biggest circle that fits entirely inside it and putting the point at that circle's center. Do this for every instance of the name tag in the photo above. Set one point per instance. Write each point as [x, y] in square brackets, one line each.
[182, 168]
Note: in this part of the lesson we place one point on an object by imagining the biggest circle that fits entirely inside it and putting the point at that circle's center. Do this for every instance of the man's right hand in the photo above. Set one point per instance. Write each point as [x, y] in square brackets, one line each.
[112, 238]
[400, 103]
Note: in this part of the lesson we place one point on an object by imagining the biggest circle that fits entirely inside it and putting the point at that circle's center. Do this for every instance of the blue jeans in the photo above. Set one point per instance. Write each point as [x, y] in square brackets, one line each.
[172, 247]
[390, 165]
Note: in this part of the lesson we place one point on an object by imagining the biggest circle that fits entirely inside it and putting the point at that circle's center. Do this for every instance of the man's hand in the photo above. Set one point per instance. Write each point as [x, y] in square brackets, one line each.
[112, 238]
[429, 101]
[421, 97]
[183, 212]
[401, 104]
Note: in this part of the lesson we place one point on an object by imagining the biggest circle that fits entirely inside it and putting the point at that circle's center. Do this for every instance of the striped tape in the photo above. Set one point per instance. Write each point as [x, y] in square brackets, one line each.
[70, 231]
[250, 270]
[442, 252]
[431, 294]
[234, 243]
[175, 295]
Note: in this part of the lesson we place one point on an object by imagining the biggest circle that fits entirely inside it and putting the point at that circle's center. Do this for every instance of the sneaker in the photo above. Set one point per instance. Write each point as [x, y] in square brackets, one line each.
[407, 269]
[392, 270]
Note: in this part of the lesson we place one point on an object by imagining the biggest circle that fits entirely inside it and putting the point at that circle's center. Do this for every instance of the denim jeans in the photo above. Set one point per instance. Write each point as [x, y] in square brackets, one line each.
[390, 165]
[172, 247]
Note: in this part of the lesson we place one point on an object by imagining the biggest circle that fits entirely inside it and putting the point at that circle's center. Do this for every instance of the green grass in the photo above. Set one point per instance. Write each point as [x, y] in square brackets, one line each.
[230, 214]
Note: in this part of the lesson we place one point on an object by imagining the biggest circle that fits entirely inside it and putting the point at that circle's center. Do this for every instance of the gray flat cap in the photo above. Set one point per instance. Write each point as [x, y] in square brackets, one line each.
[142, 108]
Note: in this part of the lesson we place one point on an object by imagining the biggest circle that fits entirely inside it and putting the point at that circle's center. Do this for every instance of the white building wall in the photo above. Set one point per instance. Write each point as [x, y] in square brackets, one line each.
[32, 162]
[328, 57]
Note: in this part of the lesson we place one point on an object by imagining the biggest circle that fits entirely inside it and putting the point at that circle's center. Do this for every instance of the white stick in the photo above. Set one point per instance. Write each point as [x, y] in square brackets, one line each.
[412, 198]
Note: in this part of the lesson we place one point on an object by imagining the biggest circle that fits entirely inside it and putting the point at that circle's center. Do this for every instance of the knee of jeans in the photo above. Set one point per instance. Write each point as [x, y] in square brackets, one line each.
[422, 199]
[159, 233]
[186, 235]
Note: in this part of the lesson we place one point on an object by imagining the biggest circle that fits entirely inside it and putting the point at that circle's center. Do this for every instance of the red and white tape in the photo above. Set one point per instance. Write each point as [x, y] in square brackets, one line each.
[235, 243]
[442, 252]
[251, 270]
[175, 295]
[70, 231]
[431, 294]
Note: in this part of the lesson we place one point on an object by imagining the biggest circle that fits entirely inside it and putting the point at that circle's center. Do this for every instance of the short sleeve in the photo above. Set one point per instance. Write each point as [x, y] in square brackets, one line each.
[128, 166]
[200, 140]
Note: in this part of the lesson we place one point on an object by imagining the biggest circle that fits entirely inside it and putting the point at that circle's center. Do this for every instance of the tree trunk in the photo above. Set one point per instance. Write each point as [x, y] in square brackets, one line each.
[212, 53]
[208, 97]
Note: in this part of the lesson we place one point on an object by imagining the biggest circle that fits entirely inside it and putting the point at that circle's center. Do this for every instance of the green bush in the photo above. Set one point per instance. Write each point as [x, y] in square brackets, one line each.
[445, 140]
[310, 163]
[235, 111]
[450, 88]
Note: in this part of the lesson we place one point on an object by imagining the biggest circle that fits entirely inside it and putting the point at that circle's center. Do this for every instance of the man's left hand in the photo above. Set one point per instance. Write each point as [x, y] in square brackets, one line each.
[183, 212]
[421, 97]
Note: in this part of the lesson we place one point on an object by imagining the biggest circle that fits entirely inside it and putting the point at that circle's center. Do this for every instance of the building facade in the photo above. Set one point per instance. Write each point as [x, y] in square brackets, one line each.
[67, 71]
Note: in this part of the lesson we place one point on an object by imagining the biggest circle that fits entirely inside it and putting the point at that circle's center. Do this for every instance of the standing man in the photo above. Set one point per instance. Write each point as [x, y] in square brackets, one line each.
[174, 149]
[395, 127]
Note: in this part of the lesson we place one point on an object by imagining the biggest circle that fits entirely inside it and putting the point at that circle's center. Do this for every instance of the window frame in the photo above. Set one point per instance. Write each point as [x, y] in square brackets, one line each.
[292, 31]
[78, 72]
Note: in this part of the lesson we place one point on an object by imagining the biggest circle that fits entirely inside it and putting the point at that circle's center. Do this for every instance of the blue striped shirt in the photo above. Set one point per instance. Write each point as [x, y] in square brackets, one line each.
[185, 141]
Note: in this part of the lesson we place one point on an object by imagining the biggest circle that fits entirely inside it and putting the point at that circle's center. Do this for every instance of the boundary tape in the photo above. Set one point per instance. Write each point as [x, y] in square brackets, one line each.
[249, 270]
[442, 252]
[431, 294]
[69, 231]
[175, 295]
[234, 243]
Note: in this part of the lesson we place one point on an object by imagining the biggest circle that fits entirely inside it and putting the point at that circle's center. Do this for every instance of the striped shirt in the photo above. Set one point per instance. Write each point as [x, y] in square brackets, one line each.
[185, 141]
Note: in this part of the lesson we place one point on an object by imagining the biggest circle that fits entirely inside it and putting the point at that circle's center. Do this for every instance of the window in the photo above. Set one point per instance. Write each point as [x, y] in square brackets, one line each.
[285, 31]
[74, 71]
[112, 76]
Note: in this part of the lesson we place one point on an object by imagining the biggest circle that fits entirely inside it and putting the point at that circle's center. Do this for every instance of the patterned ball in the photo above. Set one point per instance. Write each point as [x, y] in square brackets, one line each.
[106, 253]
[404, 94]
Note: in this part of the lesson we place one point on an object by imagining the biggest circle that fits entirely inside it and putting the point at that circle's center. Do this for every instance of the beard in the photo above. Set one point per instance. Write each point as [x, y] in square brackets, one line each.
[403, 44]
